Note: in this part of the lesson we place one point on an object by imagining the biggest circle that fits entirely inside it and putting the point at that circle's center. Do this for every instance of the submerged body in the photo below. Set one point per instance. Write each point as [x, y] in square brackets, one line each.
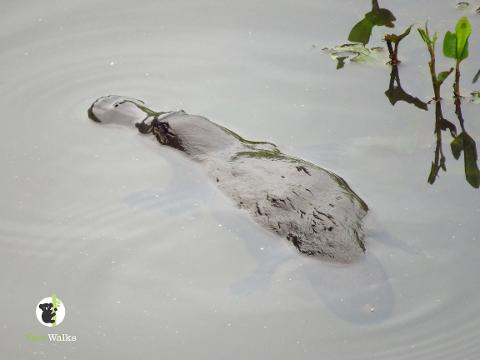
[311, 207]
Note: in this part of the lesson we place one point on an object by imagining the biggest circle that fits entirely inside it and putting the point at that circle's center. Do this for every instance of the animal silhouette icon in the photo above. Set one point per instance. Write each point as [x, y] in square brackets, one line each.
[48, 312]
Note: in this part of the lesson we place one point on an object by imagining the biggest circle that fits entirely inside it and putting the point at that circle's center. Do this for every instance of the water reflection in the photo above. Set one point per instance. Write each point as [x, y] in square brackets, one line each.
[463, 142]
[359, 293]
[460, 143]
[356, 53]
[475, 78]
[441, 124]
[396, 93]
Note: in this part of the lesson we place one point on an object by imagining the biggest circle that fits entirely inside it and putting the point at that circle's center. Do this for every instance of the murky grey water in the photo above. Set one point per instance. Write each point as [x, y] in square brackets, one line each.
[151, 261]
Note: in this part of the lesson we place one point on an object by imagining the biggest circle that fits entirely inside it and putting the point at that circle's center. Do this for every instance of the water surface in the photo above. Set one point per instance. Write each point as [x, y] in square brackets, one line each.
[151, 260]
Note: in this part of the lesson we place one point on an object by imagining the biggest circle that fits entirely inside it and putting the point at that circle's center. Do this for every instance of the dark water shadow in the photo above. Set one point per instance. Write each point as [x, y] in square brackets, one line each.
[463, 142]
[476, 77]
[395, 92]
[441, 124]
[358, 293]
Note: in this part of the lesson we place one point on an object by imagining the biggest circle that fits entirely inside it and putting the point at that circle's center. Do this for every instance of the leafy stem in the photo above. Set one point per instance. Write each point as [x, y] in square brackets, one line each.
[455, 46]
[393, 41]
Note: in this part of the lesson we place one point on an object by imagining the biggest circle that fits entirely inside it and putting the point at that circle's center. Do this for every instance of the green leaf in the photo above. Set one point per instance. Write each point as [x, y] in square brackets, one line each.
[424, 36]
[443, 76]
[397, 38]
[455, 45]
[405, 33]
[463, 31]
[361, 32]
[450, 45]
[381, 17]
[464, 53]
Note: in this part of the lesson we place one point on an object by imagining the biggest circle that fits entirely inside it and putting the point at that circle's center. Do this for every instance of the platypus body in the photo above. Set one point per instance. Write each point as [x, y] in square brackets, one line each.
[309, 206]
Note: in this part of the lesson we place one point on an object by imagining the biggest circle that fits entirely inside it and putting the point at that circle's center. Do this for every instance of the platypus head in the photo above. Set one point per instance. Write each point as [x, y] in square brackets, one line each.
[119, 110]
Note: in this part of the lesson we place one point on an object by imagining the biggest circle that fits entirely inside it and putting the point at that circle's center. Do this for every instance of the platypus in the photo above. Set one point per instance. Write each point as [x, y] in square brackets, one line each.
[311, 207]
